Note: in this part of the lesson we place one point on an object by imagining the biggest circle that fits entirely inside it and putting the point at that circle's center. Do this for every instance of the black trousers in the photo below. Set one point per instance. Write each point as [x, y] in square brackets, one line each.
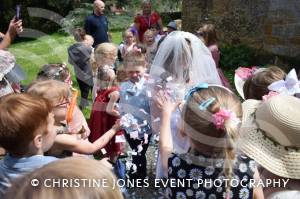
[84, 90]
[140, 159]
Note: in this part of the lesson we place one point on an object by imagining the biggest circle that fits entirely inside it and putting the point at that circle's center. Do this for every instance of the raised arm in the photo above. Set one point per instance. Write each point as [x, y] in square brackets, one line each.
[110, 108]
[14, 28]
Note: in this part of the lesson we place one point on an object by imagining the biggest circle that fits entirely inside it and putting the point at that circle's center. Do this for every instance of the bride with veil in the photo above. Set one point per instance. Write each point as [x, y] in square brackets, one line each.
[182, 61]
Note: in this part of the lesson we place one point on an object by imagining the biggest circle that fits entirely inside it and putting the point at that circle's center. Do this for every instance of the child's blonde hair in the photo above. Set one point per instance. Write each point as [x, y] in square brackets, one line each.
[53, 90]
[200, 122]
[93, 172]
[149, 32]
[134, 58]
[257, 86]
[104, 50]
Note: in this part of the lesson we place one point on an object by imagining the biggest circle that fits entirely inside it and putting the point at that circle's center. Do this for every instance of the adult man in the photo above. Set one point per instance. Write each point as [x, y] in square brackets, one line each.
[97, 24]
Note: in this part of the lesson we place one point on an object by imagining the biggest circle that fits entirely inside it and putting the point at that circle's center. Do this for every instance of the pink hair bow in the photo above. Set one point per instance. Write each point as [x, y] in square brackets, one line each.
[244, 73]
[222, 116]
[289, 86]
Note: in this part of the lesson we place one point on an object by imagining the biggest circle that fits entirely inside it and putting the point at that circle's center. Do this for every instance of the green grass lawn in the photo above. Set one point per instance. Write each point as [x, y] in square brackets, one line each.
[32, 55]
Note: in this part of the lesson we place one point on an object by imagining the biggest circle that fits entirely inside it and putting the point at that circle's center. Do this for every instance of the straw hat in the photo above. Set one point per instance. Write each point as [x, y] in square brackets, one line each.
[270, 134]
[9, 68]
[7, 62]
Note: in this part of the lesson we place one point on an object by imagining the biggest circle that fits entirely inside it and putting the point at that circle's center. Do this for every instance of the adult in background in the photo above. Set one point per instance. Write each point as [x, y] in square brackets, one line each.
[147, 20]
[15, 27]
[96, 24]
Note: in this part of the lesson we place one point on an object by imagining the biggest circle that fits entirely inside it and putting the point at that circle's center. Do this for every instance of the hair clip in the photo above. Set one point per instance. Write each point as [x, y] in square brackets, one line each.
[195, 89]
[203, 106]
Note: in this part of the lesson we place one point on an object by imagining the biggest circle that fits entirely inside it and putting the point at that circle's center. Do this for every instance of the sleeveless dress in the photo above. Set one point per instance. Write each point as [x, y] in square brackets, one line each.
[100, 121]
[195, 167]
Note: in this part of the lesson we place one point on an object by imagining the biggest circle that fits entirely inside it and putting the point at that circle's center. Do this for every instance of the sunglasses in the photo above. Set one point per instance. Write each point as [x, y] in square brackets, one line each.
[63, 104]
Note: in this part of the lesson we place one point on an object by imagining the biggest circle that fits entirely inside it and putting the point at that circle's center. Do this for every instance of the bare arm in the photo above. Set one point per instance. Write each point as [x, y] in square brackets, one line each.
[71, 143]
[13, 28]
[110, 108]
[257, 191]
[165, 141]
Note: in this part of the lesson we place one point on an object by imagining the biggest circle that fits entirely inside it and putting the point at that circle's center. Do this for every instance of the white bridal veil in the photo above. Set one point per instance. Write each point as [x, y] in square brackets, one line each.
[185, 58]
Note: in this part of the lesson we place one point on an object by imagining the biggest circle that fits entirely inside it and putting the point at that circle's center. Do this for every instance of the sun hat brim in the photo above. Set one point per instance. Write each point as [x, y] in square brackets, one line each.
[7, 62]
[275, 158]
[239, 84]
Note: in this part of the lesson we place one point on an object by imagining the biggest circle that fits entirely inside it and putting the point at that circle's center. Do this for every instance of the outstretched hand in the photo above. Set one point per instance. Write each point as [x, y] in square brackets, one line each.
[165, 103]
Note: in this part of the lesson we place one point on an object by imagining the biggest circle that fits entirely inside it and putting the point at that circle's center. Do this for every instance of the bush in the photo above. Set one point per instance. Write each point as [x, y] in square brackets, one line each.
[235, 56]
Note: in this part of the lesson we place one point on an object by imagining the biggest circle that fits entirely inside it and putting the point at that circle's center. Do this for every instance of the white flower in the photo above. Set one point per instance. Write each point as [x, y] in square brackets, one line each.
[169, 192]
[243, 168]
[176, 162]
[189, 192]
[209, 170]
[212, 196]
[195, 186]
[252, 165]
[244, 193]
[200, 195]
[170, 170]
[195, 174]
[180, 195]
[219, 189]
[188, 160]
[219, 163]
[181, 173]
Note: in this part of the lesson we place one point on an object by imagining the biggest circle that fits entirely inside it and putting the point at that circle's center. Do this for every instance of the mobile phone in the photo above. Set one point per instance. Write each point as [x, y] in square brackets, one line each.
[18, 12]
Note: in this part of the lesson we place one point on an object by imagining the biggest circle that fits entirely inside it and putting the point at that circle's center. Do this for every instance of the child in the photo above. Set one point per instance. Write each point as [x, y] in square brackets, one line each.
[61, 72]
[129, 43]
[26, 132]
[270, 135]
[134, 100]
[59, 95]
[104, 113]
[81, 175]
[256, 86]
[151, 47]
[105, 55]
[208, 32]
[211, 120]
[79, 56]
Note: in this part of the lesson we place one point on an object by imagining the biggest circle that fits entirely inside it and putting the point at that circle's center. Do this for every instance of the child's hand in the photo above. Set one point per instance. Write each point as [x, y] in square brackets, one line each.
[164, 102]
[117, 125]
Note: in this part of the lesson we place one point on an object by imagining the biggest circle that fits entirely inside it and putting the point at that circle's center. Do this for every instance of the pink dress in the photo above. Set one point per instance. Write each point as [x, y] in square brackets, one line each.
[216, 56]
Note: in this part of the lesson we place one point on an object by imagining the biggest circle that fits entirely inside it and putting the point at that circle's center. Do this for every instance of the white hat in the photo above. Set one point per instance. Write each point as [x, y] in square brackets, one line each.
[270, 134]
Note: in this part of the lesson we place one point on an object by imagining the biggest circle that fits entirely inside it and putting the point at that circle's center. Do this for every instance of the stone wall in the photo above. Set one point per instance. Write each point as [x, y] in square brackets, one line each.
[270, 25]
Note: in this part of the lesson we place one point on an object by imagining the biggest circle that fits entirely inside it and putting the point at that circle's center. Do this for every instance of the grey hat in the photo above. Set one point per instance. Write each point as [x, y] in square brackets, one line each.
[172, 25]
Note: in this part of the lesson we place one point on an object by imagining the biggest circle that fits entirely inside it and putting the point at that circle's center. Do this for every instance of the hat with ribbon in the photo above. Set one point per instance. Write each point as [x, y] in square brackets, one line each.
[270, 134]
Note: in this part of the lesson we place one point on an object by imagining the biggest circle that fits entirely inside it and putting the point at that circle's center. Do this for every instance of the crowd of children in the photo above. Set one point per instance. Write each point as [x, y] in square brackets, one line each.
[170, 86]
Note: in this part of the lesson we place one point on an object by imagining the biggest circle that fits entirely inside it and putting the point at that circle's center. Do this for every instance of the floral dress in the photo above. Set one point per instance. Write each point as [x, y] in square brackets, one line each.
[207, 177]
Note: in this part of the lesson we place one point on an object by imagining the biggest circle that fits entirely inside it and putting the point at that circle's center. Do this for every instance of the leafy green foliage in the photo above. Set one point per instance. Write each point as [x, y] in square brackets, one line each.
[233, 56]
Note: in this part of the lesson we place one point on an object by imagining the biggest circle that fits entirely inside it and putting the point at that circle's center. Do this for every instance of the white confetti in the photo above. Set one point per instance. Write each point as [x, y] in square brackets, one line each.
[140, 148]
[103, 151]
[149, 94]
[134, 168]
[169, 79]
[134, 134]
[146, 136]
[120, 139]
[156, 119]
